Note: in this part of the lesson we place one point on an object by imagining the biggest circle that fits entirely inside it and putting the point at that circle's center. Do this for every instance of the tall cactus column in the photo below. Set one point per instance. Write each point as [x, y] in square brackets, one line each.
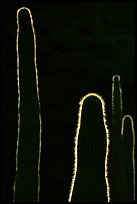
[122, 145]
[89, 182]
[27, 179]
[116, 155]
[128, 137]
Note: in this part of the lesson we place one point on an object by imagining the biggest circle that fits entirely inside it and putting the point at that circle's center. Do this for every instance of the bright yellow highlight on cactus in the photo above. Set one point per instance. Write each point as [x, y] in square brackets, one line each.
[76, 144]
[116, 78]
[18, 81]
[133, 147]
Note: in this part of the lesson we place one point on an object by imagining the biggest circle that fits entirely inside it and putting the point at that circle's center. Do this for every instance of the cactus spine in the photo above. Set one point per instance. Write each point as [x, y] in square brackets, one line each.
[89, 182]
[27, 178]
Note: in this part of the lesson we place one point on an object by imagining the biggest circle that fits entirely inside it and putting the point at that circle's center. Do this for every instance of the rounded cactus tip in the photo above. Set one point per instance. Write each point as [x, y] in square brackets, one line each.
[92, 99]
[127, 117]
[116, 78]
[24, 8]
[25, 11]
[88, 97]
[127, 120]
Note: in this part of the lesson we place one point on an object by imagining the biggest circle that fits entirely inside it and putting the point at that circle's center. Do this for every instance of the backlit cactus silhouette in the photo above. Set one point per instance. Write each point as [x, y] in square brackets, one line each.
[95, 177]
[116, 156]
[90, 181]
[119, 145]
[122, 168]
[27, 178]
[128, 137]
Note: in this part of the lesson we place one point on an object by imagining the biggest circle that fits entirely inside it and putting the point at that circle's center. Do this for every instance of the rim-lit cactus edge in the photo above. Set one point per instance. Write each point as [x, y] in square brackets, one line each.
[104, 160]
[27, 179]
[90, 179]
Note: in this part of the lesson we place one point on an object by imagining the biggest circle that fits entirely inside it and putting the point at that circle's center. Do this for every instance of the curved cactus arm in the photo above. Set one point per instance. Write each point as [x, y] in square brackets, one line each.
[91, 149]
[128, 137]
[27, 179]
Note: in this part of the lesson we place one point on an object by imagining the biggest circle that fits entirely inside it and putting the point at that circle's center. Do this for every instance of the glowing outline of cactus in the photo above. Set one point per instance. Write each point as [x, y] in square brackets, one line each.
[18, 83]
[122, 123]
[113, 95]
[76, 144]
[113, 80]
[133, 148]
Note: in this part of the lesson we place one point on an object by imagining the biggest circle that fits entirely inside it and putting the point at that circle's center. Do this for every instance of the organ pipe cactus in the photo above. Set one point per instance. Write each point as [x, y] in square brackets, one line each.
[27, 178]
[90, 181]
[116, 156]
[122, 165]
[92, 140]
[128, 137]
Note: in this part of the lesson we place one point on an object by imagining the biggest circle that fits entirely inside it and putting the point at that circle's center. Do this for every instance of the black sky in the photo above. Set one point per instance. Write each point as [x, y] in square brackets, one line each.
[80, 46]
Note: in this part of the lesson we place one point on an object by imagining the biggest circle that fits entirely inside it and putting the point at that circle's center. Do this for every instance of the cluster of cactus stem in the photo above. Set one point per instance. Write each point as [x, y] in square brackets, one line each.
[122, 146]
[27, 179]
[104, 160]
[90, 172]
[104, 167]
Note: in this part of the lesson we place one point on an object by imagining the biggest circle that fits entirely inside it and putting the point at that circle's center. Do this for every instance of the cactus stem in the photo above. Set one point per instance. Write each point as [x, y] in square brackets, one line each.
[76, 143]
[18, 83]
[116, 78]
[128, 117]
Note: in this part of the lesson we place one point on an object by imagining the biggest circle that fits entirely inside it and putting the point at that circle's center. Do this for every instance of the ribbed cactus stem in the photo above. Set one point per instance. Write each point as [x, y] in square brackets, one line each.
[116, 97]
[116, 153]
[128, 136]
[27, 179]
[91, 147]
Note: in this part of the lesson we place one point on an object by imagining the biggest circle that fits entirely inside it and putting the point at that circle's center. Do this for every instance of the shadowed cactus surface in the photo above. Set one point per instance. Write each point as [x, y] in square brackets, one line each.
[128, 138]
[91, 143]
[116, 150]
[122, 173]
[27, 179]
[89, 182]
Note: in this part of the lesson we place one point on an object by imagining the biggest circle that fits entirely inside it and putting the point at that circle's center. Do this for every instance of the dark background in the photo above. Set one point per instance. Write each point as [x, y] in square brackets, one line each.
[80, 46]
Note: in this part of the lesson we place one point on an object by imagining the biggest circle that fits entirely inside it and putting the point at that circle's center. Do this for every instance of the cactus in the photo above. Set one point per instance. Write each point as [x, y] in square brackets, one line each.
[89, 181]
[116, 154]
[93, 146]
[27, 179]
[119, 146]
[128, 137]
[122, 169]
